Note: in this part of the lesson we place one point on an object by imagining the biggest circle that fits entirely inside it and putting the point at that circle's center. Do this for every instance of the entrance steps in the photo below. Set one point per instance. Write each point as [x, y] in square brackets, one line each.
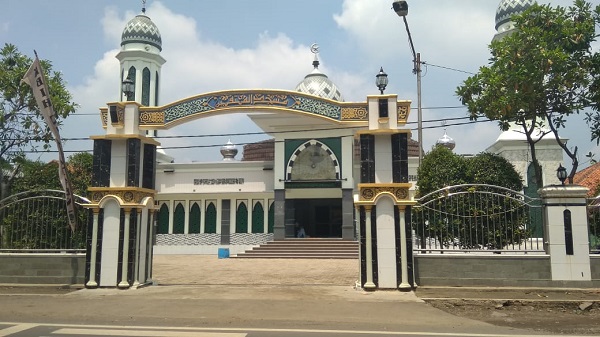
[307, 248]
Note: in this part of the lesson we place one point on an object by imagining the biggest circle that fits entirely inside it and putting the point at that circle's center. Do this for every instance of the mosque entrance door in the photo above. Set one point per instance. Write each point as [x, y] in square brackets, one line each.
[321, 218]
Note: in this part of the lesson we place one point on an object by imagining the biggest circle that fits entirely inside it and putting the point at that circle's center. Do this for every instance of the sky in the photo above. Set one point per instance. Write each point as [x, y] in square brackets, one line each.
[214, 45]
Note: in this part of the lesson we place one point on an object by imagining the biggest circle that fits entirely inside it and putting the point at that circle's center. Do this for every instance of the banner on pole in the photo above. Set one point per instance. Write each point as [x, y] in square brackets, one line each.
[37, 81]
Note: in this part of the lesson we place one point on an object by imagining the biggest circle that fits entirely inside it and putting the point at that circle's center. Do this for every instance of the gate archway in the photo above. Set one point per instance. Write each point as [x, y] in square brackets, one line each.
[125, 171]
[351, 114]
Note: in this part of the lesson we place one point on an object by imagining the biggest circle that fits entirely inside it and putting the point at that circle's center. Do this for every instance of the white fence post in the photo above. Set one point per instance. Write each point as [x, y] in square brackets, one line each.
[566, 232]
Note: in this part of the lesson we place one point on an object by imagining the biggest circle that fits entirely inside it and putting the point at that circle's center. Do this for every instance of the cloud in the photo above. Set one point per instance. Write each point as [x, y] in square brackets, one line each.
[195, 65]
[435, 26]
[445, 34]
[4, 27]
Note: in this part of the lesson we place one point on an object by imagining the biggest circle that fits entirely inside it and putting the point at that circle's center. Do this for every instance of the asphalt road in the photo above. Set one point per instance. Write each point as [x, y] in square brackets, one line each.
[205, 296]
[251, 310]
[56, 330]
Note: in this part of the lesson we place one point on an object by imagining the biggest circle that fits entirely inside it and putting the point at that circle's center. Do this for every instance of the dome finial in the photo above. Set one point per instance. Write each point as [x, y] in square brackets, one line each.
[314, 48]
[144, 6]
[446, 141]
[229, 151]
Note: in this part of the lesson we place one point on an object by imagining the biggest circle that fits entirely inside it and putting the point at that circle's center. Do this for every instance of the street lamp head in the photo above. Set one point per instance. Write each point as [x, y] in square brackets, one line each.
[381, 80]
[128, 88]
[561, 174]
[400, 7]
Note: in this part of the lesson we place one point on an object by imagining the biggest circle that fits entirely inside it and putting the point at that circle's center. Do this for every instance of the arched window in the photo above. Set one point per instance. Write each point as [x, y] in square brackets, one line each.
[210, 225]
[146, 87]
[195, 219]
[271, 218]
[258, 218]
[131, 75]
[241, 219]
[163, 220]
[179, 220]
[156, 90]
[122, 78]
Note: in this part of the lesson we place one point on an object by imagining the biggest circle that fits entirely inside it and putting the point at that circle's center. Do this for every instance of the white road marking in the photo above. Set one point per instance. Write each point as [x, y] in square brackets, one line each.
[18, 327]
[231, 332]
[144, 333]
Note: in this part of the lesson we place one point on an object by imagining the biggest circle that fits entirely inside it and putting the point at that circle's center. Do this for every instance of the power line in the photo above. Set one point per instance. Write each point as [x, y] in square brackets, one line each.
[261, 133]
[441, 107]
[448, 68]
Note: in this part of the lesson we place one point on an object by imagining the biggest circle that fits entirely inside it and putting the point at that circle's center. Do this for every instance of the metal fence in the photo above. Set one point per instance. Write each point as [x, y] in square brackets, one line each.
[481, 218]
[36, 221]
[593, 212]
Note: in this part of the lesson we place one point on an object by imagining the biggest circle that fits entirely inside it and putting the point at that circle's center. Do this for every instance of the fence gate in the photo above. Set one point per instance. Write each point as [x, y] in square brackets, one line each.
[36, 221]
[471, 217]
[593, 211]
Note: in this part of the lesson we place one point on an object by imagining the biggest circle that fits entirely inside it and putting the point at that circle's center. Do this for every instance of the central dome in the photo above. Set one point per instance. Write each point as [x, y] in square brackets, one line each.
[141, 30]
[508, 8]
[318, 84]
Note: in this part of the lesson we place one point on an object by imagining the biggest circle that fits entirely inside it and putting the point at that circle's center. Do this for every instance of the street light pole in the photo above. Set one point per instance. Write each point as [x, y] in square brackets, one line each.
[419, 111]
[401, 8]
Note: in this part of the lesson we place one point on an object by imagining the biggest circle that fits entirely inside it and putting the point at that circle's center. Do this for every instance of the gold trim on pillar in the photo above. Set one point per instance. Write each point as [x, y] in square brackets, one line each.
[403, 112]
[357, 113]
[152, 117]
[130, 197]
[368, 193]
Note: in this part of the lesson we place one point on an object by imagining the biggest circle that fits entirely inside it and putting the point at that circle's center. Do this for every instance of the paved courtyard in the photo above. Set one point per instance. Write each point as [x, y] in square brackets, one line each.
[210, 270]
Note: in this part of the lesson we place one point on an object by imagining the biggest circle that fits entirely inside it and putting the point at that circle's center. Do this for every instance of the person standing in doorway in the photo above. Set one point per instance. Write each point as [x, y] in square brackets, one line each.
[301, 232]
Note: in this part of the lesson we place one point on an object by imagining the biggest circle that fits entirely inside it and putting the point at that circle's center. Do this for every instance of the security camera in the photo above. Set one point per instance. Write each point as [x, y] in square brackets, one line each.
[400, 7]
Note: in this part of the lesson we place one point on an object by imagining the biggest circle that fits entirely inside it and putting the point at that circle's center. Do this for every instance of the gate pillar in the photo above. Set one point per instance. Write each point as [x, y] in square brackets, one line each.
[566, 232]
[384, 201]
[119, 249]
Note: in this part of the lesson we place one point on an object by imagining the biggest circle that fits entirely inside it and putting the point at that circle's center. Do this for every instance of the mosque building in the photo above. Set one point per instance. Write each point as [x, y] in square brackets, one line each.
[306, 175]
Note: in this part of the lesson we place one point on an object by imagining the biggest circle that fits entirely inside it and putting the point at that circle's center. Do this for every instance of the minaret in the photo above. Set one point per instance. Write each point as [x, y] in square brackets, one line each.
[141, 61]
[504, 13]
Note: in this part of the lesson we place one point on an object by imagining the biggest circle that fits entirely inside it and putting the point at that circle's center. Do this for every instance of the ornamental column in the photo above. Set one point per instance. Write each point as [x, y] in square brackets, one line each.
[122, 198]
[384, 202]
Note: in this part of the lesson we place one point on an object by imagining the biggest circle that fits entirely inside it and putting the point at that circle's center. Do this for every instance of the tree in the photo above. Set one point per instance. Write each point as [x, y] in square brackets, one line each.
[21, 124]
[79, 169]
[475, 216]
[491, 169]
[37, 175]
[540, 74]
[439, 168]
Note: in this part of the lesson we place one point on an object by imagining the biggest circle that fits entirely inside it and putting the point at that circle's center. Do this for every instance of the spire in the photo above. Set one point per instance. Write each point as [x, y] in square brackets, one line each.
[314, 48]
[144, 6]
